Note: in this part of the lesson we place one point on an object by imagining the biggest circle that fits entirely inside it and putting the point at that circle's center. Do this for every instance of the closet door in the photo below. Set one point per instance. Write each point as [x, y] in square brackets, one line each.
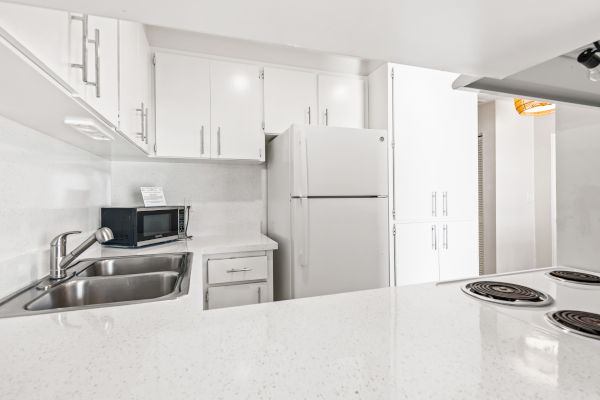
[459, 257]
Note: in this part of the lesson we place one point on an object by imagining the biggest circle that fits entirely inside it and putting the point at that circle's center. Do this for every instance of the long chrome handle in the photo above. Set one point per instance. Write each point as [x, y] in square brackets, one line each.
[141, 134]
[84, 40]
[245, 269]
[96, 43]
[259, 294]
[219, 141]
[434, 204]
[445, 236]
[146, 125]
[326, 117]
[445, 204]
[433, 238]
[202, 140]
[309, 115]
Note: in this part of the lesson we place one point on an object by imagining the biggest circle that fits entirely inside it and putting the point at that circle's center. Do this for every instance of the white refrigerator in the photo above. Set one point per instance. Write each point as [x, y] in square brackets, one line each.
[328, 210]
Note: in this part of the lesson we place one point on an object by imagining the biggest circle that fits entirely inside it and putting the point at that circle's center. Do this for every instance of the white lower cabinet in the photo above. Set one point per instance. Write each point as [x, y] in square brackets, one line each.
[435, 251]
[238, 279]
[236, 295]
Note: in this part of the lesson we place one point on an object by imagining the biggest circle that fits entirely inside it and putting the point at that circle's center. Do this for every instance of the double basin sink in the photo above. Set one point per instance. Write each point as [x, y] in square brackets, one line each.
[106, 282]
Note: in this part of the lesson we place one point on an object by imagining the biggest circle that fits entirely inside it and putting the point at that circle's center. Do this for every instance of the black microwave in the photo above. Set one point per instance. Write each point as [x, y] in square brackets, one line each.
[143, 226]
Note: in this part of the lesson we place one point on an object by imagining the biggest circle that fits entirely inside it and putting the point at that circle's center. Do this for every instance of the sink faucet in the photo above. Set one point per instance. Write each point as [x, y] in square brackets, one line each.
[60, 260]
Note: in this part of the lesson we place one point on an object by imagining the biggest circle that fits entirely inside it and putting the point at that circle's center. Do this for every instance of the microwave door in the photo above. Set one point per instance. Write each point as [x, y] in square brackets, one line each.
[157, 226]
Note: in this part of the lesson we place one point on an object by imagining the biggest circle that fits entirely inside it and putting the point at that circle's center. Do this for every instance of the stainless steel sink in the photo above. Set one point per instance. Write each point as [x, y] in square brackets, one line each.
[135, 265]
[106, 282]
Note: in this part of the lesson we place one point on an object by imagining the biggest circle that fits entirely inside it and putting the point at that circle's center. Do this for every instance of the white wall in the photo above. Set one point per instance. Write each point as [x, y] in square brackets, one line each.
[578, 186]
[225, 198]
[515, 202]
[47, 187]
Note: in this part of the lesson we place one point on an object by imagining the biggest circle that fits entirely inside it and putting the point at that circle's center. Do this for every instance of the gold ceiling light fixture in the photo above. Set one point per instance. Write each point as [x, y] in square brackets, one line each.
[533, 107]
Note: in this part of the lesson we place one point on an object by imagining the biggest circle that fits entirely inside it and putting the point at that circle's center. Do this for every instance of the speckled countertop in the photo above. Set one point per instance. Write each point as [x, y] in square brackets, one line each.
[414, 342]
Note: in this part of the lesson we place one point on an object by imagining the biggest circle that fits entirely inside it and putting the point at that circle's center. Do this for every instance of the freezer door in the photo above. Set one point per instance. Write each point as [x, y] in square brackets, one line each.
[339, 161]
[339, 245]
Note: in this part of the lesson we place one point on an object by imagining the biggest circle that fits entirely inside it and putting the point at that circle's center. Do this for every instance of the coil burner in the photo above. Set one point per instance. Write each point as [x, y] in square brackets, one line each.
[507, 293]
[578, 322]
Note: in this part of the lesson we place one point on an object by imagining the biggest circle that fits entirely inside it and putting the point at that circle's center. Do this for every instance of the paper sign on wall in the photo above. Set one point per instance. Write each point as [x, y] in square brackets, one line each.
[153, 196]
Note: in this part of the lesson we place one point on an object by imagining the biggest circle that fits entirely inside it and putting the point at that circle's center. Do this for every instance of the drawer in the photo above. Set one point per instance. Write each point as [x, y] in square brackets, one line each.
[237, 295]
[237, 269]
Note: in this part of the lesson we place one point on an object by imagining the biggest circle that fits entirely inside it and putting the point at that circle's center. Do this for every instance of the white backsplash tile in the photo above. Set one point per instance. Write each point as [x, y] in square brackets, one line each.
[46, 187]
[225, 198]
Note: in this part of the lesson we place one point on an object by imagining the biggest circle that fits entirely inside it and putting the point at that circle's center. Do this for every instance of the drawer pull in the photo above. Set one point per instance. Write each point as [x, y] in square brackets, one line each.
[239, 270]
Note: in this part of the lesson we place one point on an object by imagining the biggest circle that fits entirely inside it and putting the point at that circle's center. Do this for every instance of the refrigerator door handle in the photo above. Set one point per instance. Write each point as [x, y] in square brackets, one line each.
[304, 255]
[302, 148]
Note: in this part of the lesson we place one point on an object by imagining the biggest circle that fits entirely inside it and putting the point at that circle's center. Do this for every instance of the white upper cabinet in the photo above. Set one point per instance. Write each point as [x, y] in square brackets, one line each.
[342, 101]
[42, 33]
[236, 110]
[182, 89]
[134, 82]
[290, 98]
[102, 88]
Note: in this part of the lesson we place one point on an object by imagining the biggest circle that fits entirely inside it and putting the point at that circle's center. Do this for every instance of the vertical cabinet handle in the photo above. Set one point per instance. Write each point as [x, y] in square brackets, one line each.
[142, 133]
[259, 295]
[309, 115]
[326, 117]
[84, 41]
[434, 204]
[146, 125]
[445, 244]
[96, 43]
[445, 204]
[202, 140]
[219, 141]
[433, 237]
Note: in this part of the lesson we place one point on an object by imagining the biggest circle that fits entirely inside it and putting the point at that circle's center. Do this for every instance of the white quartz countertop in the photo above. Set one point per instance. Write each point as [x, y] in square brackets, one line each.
[413, 342]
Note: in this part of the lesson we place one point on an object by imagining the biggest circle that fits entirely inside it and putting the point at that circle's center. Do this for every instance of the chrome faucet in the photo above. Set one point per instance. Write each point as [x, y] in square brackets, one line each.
[60, 260]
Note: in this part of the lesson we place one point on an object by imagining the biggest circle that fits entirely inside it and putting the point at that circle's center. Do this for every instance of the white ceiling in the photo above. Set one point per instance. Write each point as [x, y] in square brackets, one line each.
[492, 38]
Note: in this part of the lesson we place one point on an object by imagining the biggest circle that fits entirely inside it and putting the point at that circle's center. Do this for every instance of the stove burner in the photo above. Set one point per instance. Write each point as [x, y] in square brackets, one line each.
[575, 277]
[507, 293]
[578, 322]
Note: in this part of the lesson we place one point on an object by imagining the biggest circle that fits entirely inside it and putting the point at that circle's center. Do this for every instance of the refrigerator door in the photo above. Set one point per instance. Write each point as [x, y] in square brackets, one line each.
[330, 161]
[339, 245]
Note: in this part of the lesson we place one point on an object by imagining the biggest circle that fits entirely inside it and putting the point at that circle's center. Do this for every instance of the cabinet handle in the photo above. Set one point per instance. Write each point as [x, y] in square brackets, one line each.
[433, 238]
[202, 140]
[246, 269]
[219, 141]
[96, 43]
[434, 204]
[142, 133]
[326, 117]
[84, 41]
[309, 115]
[445, 204]
[259, 295]
[146, 125]
[445, 236]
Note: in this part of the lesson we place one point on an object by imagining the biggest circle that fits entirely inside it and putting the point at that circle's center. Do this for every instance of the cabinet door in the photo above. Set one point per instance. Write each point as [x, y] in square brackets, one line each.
[103, 67]
[237, 295]
[458, 160]
[341, 101]
[134, 63]
[236, 97]
[182, 92]
[417, 132]
[416, 253]
[43, 33]
[459, 257]
[290, 98]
